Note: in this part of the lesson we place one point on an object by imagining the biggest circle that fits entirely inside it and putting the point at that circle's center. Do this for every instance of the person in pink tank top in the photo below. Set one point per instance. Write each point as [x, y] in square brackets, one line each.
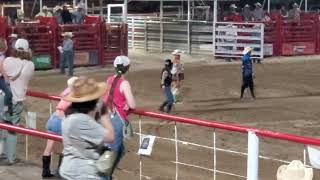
[54, 126]
[119, 101]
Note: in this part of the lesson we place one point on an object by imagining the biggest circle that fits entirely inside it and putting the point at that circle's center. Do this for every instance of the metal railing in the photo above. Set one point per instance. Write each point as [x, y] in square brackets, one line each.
[254, 137]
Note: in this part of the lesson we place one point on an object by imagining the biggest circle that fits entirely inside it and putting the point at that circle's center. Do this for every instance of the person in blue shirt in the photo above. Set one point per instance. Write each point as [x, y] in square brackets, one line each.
[247, 72]
[67, 53]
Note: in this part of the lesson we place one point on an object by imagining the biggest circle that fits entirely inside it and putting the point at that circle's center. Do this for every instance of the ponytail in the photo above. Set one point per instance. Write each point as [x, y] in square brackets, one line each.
[120, 70]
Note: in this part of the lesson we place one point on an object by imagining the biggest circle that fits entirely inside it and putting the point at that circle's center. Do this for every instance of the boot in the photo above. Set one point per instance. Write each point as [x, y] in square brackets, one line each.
[162, 106]
[46, 160]
[169, 108]
[59, 164]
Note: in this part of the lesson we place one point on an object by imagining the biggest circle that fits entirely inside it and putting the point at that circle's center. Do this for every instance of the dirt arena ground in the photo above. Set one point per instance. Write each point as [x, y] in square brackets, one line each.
[288, 99]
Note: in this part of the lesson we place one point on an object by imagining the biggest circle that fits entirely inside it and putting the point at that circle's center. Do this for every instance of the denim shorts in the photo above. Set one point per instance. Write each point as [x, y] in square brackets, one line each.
[54, 124]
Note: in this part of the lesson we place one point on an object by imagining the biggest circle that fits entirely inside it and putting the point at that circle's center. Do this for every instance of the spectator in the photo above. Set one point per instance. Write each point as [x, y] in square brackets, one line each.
[247, 73]
[82, 134]
[54, 126]
[79, 15]
[57, 14]
[246, 13]
[258, 13]
[67, 53]
[44, 13]
[166, 80]
[232, 15]
[294, 13]
[19, 69]
[283, 11]
[119, 101]
[66, 15]
[13, 16]
[177, 72]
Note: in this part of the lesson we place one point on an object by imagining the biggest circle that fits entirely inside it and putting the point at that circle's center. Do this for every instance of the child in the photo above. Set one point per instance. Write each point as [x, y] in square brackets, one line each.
[166, 80]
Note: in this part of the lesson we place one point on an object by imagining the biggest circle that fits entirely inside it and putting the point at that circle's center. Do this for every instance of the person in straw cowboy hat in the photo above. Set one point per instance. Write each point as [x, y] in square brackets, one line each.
[247, 72]
[294, 171]
[19, 70]
[81, 132]
[67, 54]
[177, 72]
[54, 126]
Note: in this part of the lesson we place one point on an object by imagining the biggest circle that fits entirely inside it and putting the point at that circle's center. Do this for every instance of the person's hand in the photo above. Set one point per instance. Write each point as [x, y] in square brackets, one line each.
[162, 86]
[253, 76]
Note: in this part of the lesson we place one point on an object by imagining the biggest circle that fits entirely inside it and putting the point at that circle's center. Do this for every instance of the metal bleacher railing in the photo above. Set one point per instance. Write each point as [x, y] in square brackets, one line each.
[254, 135]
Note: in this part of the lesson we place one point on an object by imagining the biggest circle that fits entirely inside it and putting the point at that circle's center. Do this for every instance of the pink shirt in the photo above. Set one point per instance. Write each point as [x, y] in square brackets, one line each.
[119, 100]
[63, 105]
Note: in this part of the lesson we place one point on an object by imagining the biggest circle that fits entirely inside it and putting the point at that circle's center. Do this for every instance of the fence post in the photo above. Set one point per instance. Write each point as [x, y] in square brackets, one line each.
[176, 147]
[262, 42]
[145, 35]
[132, 33]
[140, 141]
[214, 155]
[189, 37]
[253, 156]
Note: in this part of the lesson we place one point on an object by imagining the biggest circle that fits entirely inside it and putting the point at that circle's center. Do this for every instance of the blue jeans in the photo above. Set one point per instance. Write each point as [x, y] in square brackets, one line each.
[169, 100]
[117, 145]
[67, 58]
[7, 91]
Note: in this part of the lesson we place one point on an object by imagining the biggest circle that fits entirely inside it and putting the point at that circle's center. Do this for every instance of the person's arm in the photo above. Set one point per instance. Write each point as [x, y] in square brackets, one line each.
[106, 123]
[164, 76]
[126, 89]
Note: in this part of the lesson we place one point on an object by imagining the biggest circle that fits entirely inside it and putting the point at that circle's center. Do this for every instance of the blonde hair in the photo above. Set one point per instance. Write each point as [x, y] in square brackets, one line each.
[3, 45]
[22, 54]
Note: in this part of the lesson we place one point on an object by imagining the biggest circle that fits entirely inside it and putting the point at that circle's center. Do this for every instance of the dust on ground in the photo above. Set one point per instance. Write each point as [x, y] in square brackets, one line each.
[288, 98]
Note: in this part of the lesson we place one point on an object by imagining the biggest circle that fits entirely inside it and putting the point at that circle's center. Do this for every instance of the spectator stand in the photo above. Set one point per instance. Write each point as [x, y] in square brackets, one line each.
[41, 37]
[231, 38]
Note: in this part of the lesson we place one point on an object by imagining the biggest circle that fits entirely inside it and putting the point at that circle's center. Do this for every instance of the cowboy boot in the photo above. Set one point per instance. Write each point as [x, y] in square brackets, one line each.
[46, 160]
[59, 164]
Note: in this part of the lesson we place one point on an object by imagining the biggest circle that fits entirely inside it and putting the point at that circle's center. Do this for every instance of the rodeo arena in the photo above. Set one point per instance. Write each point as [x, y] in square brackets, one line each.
[160, 89]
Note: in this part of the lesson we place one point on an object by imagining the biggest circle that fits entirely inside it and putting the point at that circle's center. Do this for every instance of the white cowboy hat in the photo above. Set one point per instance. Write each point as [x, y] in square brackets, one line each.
[295, 5]
[13, 35]
[121, 60]
[69, 34]
[247, 5]
[86, 89]
[233, 6]
[294, 171]
[56, 8]
[45, 7]
[246, 50]
[176, 52]
[258, 4]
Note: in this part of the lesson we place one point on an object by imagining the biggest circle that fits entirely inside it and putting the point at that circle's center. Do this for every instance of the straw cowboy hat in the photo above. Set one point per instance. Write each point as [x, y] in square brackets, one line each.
[68, 34]
[246, 50]
[85, 89]
[71, 80]
[294, 171]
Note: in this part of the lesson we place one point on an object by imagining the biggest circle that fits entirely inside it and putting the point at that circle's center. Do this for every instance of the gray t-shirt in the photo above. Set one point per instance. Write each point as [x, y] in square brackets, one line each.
[81, 136]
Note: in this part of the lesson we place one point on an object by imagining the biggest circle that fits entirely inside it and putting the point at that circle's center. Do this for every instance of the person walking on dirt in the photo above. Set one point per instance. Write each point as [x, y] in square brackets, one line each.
[177, 72]
[119, 101]
[19, 68]
[166, 80]
[247, 72]
[67, 53]
[54, 126]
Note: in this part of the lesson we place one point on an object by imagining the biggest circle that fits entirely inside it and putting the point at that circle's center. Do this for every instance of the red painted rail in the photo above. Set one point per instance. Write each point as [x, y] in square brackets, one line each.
[207, 123]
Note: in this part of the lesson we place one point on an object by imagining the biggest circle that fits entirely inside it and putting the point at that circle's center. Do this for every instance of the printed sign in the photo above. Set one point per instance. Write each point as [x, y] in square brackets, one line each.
[31, 120]
[146, 145]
